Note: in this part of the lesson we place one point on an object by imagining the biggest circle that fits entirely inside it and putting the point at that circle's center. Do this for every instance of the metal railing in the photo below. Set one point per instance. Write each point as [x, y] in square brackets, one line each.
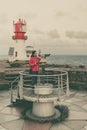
[14, 87]
[57, 79]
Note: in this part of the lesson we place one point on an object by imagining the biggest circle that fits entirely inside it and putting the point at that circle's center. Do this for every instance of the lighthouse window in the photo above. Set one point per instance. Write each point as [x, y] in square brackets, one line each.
[16, 53]
[23, 28]
[27, 55]
[28, 51]
[11, 51]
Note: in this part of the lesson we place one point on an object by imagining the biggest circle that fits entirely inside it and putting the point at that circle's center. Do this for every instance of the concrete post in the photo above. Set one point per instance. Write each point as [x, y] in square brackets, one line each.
[43, 109]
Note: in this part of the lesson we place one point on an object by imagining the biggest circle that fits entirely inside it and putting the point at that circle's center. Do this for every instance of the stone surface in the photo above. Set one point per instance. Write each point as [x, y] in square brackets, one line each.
[77, 120]
[76, 108]
[60, 127]
[28, 125]
[80, 94]
[74, 100]
[85, 127]
[7, 117]
[85, 107]
[74, 115]
[76, 125]
[12, 110]
[13, 125]
[81, 103]
[1, 128]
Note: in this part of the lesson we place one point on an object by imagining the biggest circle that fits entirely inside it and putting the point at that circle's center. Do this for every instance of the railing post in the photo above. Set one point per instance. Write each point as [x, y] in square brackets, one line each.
[12, 91]
[11, 94]
[59, 91]
[61, 83]
[38, 78]
[67, 86]
[21, 86]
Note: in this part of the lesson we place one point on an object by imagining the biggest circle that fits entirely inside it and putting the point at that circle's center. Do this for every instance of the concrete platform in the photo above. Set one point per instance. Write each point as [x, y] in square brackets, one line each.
[10, 117]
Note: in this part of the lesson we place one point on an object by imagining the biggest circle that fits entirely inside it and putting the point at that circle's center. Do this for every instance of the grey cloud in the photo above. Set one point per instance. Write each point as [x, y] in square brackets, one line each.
[59, 14]
[27, 15]
[38, 32]
[53, 34]
[76, 34]
[67, 15]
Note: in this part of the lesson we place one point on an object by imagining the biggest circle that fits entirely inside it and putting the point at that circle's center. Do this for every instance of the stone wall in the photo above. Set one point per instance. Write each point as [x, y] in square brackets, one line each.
[78, 79]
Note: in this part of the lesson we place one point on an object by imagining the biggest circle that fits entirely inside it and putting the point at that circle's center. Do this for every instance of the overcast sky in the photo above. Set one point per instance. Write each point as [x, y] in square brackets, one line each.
[54, 26]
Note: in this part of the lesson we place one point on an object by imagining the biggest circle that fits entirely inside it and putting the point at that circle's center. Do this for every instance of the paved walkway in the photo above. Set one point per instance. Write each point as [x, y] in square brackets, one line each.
[10, 117]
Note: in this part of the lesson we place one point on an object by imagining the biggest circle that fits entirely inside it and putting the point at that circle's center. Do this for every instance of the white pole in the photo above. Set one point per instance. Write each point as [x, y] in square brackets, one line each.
[67, 87]
[21, 87]
[61, 84]
[59, 91]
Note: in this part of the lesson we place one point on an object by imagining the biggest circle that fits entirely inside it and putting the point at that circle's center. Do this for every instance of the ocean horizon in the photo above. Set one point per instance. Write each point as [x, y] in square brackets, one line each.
[61, 59]
[67, 59]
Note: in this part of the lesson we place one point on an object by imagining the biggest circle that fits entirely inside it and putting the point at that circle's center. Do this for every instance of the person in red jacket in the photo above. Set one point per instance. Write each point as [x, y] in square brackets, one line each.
[34, 64]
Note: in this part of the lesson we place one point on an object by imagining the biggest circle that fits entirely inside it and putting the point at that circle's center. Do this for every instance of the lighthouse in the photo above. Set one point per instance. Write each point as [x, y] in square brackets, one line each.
[18, 51]
[19, 37]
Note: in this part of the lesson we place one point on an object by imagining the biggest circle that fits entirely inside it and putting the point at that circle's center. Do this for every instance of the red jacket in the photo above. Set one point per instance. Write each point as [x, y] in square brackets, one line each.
[34, 63]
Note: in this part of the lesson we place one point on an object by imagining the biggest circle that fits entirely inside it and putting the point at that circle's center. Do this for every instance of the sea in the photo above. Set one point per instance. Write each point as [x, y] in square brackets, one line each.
[62, 59]
[68, 59]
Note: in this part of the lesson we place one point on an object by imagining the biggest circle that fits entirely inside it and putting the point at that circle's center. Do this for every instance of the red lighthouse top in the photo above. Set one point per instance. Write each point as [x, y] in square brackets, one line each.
[19, 30]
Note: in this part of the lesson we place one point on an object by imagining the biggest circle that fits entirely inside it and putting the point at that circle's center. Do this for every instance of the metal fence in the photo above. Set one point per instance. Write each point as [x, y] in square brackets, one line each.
[55, 82]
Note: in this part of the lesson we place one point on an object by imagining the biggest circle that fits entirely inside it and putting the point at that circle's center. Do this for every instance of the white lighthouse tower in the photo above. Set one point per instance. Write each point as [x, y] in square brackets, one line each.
[20, 37]
[18, 52]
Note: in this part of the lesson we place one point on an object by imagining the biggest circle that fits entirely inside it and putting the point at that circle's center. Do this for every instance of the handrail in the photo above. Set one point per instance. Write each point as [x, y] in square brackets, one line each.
[59, 80]
[12, 87]
[61, 74]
